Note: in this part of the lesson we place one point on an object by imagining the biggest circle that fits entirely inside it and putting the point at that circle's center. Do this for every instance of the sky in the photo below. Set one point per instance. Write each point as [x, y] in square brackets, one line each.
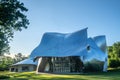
[102, 17]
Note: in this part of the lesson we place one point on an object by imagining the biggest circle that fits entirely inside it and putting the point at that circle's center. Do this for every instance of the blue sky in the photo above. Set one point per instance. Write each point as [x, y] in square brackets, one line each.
[102, 17]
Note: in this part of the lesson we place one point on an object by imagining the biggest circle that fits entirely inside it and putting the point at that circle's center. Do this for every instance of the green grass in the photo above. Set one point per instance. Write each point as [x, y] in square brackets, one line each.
[112, 74]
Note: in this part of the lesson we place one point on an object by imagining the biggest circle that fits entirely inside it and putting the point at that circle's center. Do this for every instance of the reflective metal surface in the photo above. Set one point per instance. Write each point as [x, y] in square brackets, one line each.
[26, 61]
[92, 51]
[101, 42]
[62, 45]
[96, 58]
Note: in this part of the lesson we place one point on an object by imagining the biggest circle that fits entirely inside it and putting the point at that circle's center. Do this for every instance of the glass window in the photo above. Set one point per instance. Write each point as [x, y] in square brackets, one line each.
[25, 68]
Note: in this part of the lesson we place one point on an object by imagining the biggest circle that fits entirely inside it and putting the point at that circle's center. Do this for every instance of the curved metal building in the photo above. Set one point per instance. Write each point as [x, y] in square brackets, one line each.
[71, 52]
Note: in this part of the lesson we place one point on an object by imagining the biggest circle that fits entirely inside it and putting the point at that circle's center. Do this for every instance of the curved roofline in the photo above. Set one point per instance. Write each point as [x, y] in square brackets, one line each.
[25, 62]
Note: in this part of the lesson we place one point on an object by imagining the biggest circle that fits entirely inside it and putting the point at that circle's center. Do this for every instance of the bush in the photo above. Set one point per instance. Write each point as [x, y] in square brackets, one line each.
[4, 67]
[4, 77]
[114, 63]
[93, 67]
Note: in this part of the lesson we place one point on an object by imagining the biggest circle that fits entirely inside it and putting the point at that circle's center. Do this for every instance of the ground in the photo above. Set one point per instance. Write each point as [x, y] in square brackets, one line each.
[113, 74]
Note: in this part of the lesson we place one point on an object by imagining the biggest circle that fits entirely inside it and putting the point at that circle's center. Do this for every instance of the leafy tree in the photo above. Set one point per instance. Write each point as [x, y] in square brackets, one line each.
[116, 49]
[114, 55]
[19, 57]
[5, 62]
[12, 19]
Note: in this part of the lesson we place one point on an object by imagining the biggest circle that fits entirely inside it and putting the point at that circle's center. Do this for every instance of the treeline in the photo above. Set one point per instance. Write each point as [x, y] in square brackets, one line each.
[114, 55]
[7, 61]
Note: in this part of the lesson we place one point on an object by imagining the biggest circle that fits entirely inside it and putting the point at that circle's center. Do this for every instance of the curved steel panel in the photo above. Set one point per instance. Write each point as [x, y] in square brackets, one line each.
[62, 45]
[74, 44]
[95, 57]
[26, 61]
[101, 42]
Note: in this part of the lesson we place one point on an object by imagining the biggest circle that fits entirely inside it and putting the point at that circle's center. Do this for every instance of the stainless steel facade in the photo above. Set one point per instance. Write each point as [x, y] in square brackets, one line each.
[96, 57]
[92, 51]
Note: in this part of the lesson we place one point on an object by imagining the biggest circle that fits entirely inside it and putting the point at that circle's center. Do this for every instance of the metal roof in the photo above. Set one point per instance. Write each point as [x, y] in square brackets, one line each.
[26, 61]
[61, 45]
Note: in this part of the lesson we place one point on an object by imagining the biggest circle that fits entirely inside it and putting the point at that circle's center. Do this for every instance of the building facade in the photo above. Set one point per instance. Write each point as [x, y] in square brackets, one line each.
[24, 66]
[70, 53]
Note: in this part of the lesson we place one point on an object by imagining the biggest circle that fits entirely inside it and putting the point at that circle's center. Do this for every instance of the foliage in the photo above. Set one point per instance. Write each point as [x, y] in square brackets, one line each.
[114, 63]
[114, 55]
[19, 57]
[6, 62]
[113, 74]
[12, 19]
[4, 77]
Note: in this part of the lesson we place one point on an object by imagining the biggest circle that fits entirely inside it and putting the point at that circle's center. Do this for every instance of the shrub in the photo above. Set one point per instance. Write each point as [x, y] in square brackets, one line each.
[4, 77]
[114, 63]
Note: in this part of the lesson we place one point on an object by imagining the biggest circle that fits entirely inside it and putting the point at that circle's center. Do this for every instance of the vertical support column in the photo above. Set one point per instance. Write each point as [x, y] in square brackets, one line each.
[69, 64]
[53, 64]
[39, 61]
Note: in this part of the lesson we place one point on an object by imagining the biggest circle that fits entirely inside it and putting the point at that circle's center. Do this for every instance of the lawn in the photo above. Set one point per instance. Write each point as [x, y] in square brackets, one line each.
[113, 74]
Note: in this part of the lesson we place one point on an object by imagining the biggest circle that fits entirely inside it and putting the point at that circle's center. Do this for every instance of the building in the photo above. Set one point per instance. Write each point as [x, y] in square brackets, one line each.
[71, 52]
[23, 66]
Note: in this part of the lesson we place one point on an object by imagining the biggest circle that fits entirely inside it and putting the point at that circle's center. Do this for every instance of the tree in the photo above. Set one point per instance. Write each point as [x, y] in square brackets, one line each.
[116, 49]
[19, 57]
[5, 62]
[114, 55]
[12, 19]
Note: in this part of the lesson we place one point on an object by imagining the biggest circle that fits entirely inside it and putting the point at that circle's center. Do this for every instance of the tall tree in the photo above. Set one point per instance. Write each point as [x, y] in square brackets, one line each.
[5, 62]
[114, 55]
[12, 19]
[19, 57]
[116, 49]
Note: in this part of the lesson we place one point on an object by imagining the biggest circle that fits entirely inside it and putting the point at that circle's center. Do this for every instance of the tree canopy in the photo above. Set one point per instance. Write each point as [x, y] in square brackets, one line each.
[12, 18]
[19, 57]
[114, 55]
[7, 61]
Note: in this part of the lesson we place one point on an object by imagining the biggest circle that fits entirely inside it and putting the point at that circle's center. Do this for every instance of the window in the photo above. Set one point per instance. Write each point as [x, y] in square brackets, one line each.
[25, 68]
[12, 69]
[16, 70]
[88, 47]
[61, 64]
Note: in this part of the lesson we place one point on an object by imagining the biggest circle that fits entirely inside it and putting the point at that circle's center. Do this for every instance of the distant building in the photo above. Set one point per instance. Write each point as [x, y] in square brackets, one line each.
[71, 52]
[23, 66]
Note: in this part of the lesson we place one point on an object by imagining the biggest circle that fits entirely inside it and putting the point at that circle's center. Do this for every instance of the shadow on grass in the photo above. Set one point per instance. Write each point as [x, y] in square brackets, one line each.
[113, 74]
